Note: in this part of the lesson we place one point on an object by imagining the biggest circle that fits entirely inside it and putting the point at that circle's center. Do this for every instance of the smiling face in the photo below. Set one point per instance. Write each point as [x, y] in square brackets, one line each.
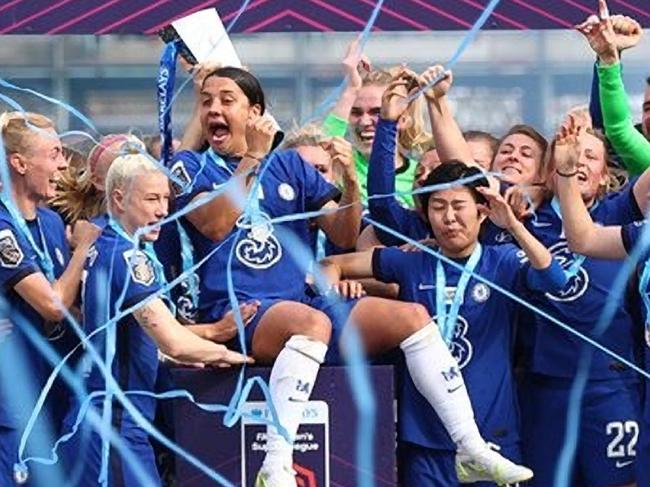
[225, 110]
[364, 116]
[144, 201]
[518, 158]
[592, 167]
[455, 220]
[41, 164]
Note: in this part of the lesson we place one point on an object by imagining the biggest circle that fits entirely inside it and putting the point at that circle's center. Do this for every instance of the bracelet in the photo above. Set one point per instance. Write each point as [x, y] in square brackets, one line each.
[566, 175]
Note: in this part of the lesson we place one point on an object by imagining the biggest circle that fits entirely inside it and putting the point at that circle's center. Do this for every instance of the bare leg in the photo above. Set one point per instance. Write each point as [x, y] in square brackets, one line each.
[296, 336]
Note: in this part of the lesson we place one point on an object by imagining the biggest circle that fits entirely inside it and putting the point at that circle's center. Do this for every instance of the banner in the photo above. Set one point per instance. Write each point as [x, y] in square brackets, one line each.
[148, 16]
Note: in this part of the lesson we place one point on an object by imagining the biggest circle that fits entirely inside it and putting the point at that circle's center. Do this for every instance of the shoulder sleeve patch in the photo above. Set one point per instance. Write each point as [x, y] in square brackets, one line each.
[11, 255]
[183, 179]
[140, 267]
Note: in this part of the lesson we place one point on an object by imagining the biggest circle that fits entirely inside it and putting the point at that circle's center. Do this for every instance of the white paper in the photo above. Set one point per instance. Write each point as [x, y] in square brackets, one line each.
[205, 36]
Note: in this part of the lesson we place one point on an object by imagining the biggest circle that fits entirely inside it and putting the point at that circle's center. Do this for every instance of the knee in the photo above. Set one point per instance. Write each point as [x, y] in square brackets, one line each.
[314, 324]
[413, 316]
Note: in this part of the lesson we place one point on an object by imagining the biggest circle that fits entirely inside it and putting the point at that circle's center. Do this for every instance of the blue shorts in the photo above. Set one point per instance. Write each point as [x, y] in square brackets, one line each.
[337, 310]
[643, 454]
[425, 467]
[609, 429]
[8, 454]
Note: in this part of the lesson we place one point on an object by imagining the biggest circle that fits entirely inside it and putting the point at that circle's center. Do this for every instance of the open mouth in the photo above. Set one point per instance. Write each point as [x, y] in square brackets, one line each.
[509, 169]
[219, 132]
[582, 177]
[366, 136]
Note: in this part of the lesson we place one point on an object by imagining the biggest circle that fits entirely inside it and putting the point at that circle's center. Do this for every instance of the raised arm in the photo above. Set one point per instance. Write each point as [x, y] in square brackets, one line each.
[582, 234]
[343, 226]
[381, 168]
[607, 36]
[353, 62]
[450, 143]
[216, 218]
[502, 215]
[193, 138]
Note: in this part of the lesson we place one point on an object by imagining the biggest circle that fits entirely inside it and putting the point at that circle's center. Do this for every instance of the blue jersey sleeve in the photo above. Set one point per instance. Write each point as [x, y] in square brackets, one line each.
[188, 168]
[631, 235]
[317, 192]
[392, 264]
[381, 181]
[516, 266]
[17, 260]
[595, 110]
[134, 269]
[619, 208]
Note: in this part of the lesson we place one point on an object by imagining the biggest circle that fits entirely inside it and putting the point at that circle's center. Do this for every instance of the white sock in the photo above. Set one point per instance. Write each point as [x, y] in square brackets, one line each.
[437, 377]
[292, 380]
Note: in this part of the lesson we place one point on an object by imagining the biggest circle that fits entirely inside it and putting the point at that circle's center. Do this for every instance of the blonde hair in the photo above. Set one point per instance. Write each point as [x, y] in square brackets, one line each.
[615, 180]
[19, 127]
[125, 169]
[310, 135]
[77, 198]
[413, 138]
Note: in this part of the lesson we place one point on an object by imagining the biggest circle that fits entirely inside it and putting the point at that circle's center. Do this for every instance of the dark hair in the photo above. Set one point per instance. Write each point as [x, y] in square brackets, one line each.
[248, 83]
[492, 141]
[647, 80]
[450, 172]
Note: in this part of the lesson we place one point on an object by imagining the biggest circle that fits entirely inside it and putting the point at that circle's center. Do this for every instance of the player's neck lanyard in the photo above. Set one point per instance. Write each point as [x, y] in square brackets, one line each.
[643, 291]
[147, 248]
[447, 318]
[45, 261]
[578, 259]
[187, 262]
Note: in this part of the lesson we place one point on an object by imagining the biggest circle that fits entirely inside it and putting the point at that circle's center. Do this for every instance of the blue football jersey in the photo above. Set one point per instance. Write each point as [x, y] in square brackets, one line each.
[631, 235]
[482, 340]
[556, 352]
[262, 263]
[116, 277]
[17, 261]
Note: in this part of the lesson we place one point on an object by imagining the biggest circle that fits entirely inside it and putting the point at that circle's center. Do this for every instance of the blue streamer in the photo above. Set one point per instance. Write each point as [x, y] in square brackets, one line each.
[574, 412]
[335, 94]
[165, 85]
[464, 44]
[515, 298]
[6, 84]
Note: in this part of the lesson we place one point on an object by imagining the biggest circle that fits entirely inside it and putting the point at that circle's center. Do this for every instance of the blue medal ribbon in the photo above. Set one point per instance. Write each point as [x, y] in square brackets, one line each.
[447, 320]
[165, 86]
[187, 262]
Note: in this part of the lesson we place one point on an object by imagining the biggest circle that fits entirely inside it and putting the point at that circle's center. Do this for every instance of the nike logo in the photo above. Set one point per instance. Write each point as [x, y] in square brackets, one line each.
[620, 464]
[454, 389]
[425, 287]
[540, 224]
